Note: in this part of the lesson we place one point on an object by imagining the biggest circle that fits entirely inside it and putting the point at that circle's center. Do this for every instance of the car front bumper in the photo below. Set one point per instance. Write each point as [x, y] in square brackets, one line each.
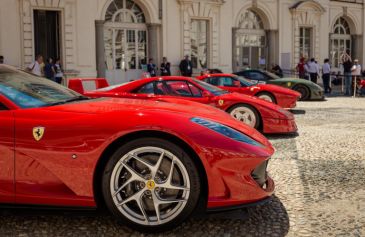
[279, 126]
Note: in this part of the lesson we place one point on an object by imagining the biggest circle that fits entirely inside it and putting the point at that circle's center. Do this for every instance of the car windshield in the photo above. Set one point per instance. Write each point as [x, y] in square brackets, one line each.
[29, 91]
[245, 81]
[214, 90]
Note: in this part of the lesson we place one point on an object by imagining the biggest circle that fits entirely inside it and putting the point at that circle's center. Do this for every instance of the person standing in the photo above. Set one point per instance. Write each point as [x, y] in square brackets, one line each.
[49, 71]
[59, 71]
[347, 66]
[356, 71]
[1, 59]
[151, 68]
[313, 70]
[35, 67]
[301, 69]
[186, 67]
[276, 69]
[326, 76]
[165, 67]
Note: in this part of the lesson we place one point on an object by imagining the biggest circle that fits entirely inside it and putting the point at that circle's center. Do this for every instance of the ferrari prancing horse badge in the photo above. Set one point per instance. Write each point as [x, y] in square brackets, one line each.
[38, 133]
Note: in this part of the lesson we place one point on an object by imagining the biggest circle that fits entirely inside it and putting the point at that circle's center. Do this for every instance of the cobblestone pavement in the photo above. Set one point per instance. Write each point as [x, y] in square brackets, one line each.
[320, 178]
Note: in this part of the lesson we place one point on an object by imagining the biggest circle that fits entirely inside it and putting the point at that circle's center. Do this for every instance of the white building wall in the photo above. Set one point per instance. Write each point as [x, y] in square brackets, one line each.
[79, 16]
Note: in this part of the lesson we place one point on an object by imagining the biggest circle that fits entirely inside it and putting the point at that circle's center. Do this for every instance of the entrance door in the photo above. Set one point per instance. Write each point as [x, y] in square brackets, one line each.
[252, 57]
[47, 33]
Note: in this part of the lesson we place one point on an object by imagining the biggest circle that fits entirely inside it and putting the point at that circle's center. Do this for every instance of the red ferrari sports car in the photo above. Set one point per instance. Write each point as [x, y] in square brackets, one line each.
[151, 163]
[284, 97]
[257, 113]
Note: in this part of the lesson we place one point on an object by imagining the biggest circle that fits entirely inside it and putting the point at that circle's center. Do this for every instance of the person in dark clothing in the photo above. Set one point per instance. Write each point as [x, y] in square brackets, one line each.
[49, 71]
[151, 68]
[326, 75]
[1, 59]
[276, 69]
[165, 67]
[347, 66]
[186, 67]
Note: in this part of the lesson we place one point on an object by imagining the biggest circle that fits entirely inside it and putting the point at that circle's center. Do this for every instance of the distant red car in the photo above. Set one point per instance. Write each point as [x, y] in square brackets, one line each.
[257, 113]
[284, 97]
[151, 163]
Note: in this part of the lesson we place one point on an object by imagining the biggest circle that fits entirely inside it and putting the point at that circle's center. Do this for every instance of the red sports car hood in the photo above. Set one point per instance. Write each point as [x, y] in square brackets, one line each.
[178, 107]
[278, 89]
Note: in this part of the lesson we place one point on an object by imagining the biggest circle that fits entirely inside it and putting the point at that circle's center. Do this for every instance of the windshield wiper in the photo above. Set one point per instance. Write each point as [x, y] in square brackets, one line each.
[73, 99]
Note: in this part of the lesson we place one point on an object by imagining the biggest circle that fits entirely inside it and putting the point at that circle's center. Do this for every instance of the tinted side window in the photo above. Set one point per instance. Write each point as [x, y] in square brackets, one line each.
[3, 107]
[146, 89]
[178, 88]
[256, 76]
[195, 90]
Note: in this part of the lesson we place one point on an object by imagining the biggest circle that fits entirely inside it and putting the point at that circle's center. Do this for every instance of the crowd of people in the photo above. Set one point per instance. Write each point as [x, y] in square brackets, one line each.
[312, 70]
[50, 69]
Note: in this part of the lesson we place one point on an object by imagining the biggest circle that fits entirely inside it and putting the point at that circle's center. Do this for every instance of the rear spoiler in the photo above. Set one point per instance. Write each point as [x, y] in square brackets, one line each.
[76, 84]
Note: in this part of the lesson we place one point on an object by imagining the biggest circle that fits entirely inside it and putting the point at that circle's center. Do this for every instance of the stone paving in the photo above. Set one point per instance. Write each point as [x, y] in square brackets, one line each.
[319, 175]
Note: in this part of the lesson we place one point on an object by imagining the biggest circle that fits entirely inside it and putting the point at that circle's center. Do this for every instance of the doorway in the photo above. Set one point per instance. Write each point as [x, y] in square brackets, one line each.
[251, 57]
[47, 33]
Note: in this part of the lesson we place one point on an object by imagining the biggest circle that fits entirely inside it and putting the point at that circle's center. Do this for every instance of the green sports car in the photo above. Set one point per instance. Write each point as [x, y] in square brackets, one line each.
[308, 89]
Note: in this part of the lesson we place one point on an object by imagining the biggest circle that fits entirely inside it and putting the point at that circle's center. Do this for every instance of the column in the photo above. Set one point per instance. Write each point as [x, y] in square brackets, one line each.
[100, 54]
[154, 43]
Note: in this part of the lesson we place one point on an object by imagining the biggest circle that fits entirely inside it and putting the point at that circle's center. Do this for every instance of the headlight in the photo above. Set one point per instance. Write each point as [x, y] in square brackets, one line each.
[226, 131]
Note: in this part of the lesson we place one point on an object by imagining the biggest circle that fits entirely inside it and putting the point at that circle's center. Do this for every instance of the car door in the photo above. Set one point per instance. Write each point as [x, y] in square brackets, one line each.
[184, 90]
[7, 190]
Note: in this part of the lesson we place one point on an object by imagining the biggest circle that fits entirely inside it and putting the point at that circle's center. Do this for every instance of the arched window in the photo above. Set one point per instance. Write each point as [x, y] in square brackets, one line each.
[340, 40]
[250, 41]
[125, 34]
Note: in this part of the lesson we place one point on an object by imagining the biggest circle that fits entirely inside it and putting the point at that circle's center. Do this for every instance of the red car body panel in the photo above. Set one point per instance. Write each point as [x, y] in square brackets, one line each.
[47, 172]
[284, 97]
[274, 118]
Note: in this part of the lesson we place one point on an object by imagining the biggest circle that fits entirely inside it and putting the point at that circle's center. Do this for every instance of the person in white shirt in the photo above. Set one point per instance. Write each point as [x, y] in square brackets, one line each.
[35, 67]
[313, 70]
[59, 71]
[356, 71]
[326, 76]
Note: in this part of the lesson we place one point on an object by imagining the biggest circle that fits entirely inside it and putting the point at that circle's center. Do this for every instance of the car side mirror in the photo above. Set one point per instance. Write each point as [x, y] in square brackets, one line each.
[206, 94]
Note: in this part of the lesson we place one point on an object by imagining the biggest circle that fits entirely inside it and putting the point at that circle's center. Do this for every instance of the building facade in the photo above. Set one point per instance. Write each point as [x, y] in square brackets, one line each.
[115, 38]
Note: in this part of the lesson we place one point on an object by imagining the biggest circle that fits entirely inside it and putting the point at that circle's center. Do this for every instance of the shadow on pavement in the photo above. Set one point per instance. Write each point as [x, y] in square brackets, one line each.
[297, 111]
[281, 136]
[264, 220]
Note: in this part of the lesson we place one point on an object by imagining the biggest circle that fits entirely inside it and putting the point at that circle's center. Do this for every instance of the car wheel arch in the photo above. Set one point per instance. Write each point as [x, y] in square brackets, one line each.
[303, 85]
[267, 92]
[109, 150]
[261, 123]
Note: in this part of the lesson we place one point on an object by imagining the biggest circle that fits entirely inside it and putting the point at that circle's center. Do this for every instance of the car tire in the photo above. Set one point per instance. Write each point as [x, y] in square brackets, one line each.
[134, 165]
[266, 96]
[303, 90]
[246, 114]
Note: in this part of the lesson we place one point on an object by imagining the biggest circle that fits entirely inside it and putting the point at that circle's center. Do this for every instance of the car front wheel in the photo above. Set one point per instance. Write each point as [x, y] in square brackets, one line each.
[304, 91]
[246, 114]
[151, 184]
[266, 96]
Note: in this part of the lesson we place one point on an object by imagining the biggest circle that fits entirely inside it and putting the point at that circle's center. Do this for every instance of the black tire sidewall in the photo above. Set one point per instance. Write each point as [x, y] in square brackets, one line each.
[305, 96]
[187, 161]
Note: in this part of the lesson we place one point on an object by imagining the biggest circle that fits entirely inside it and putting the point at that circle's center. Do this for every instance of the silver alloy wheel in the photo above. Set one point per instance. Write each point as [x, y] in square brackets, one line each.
[244, 114]
[266, 97]
[150, 186]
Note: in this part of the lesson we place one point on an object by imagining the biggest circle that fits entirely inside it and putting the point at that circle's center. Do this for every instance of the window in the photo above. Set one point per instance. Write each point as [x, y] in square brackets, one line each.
[224, 81]
[305, 42]
[178, 88]
[340, 41]
[257, 76]
[146, 89]
[3, 107]
[250, 42]
[199, 43]
[125, 35]
[28, 91]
